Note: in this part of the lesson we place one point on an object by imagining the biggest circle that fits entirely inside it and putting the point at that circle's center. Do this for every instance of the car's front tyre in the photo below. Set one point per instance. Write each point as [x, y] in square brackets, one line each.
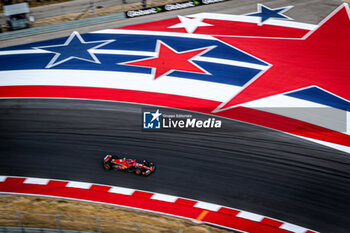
[138, 171]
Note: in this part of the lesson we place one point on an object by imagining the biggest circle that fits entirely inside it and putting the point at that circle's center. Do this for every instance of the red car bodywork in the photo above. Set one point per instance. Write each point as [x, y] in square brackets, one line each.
[127, 165]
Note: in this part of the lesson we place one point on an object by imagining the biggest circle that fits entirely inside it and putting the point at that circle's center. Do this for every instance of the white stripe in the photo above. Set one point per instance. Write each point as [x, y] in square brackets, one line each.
[76, 184]
[250, 216]
[24, 51]
[348, 122]
[293, 228]
[36, 181]
[313, 113]
[154, 33]
[207, 206]
[121, 190]
[254, 19]
[95, 51]
[143, 82]
[281, 101]
[3, 178]
[122, 52]
[232, 63]
[164, 197]
[120, 80]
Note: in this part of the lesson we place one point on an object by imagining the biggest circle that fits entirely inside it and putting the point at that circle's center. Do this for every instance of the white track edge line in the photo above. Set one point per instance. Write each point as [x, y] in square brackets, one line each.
[40, 181]
[77, 184]
[250, 216]
[164, 197]
[121, 190]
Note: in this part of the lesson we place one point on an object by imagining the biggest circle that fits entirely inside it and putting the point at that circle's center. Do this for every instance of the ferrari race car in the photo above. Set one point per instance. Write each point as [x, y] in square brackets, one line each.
[129, 165]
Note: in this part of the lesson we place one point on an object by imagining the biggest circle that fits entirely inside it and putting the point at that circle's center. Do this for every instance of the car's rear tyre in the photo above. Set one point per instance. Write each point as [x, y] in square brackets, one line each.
[107, 167]
[130, 169]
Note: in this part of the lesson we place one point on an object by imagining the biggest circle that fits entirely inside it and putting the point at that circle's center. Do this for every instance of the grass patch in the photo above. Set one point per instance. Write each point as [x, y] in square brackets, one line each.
[83, 216]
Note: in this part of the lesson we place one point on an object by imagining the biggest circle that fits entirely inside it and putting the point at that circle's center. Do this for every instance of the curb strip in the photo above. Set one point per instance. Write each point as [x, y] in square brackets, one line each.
[204, 212]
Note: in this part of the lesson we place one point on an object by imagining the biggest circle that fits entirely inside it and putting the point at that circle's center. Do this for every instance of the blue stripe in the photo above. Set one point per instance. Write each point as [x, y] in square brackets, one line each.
[319, 96]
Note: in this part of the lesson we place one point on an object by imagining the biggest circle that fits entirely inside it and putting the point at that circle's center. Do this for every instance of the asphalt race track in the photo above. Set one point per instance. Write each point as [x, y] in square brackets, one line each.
[243, 166]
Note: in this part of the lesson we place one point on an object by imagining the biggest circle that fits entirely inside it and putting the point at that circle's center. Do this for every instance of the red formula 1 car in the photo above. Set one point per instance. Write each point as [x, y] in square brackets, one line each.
[129, 165]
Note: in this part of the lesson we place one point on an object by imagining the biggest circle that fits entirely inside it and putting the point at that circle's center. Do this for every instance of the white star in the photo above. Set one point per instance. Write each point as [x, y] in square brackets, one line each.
[156, 115]
[74, 48]
[190, 24]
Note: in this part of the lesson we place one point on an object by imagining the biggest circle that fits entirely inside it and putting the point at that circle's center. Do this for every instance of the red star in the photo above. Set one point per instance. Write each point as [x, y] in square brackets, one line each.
[168, 60]
[321, 58]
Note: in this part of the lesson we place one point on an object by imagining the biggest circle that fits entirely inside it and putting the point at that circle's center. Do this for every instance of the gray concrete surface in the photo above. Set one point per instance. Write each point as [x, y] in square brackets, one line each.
[73, 6]
[61, 26]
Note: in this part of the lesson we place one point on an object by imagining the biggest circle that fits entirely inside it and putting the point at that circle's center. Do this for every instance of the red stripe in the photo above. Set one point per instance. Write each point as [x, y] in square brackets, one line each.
[57, 183]
[253, 116]
[101, 188]
[244, 224]
[228, 211]
[141, 194]
[13, 182]
[272, 222]
[186, 202]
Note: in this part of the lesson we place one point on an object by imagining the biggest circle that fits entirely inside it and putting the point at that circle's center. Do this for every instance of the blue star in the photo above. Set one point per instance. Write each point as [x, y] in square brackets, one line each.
[74, 47]
[266, 13]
